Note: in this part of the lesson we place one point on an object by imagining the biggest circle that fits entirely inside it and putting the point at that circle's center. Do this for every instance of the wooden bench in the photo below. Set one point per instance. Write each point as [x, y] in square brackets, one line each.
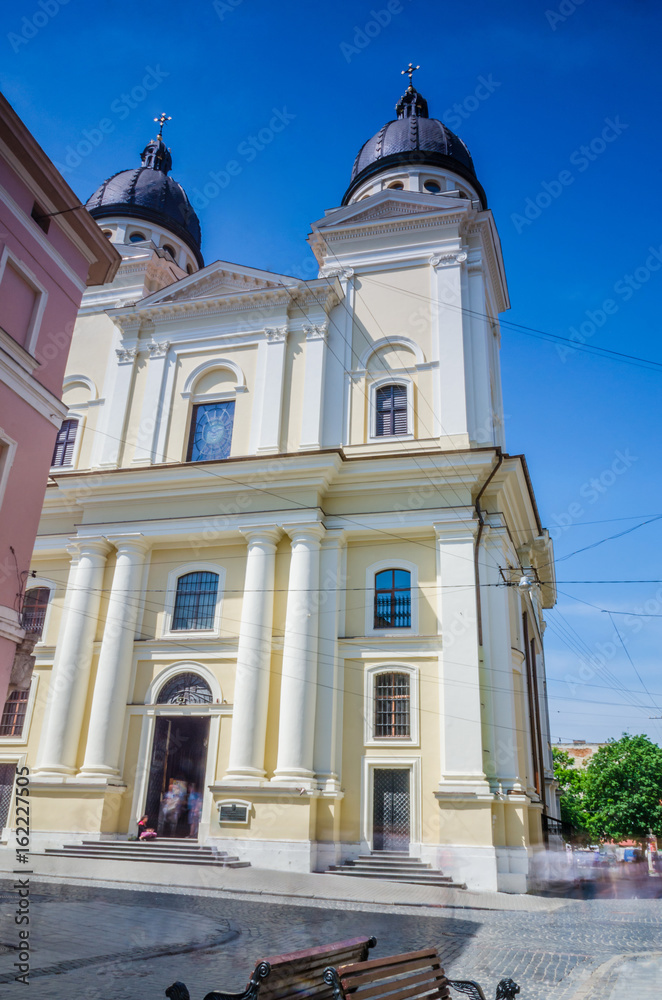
[296, 976]
[417, 975]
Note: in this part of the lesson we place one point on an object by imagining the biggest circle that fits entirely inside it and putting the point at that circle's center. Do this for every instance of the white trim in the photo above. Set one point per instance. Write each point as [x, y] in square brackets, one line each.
[208, 366]
[41, 298]
[171, 593]
[37, 235]
[40, 581]
[86, 380]
[26, 387]
[370, 674]
[7, 453]
[370, 764]
[392, 342]
[80, 417]
[10, 741]
[373, 437]
[182, 667]
[10, 624]
[370, 573]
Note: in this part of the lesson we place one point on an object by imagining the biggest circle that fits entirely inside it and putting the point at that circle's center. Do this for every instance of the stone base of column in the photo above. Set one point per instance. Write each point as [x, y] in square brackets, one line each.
[300, 777]
[100, 773]
[53, 771]
[464, 785]
[244, 776]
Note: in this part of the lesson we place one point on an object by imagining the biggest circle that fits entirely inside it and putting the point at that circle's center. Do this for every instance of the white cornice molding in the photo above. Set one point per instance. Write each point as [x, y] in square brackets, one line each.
[30, 391]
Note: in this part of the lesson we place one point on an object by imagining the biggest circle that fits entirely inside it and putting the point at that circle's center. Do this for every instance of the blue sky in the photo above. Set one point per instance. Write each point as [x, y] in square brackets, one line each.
[561, 76]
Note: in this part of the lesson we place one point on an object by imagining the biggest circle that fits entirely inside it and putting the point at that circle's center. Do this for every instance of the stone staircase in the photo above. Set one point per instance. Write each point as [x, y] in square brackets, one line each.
[171, 850]
[394, 866]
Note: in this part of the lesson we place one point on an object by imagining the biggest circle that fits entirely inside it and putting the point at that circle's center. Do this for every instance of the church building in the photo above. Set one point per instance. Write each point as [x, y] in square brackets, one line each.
[285, 561]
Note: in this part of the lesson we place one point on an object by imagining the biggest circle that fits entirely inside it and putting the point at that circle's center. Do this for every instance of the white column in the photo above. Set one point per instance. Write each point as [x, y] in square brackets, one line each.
[251, 691]
[313, 387]
[482, 429]
[114, 417]
[73, 658]
[449, 343]
[329, 692]
[299, 678]
[111, 689]
[153, 403]
[461, 726]
[497, 645]
[269, 383]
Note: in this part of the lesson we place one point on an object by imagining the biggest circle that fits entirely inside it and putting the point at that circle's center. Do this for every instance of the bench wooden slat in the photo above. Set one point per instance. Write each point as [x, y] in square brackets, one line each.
[378, 963]
[431, 976]
[352, 945]
[353, 982]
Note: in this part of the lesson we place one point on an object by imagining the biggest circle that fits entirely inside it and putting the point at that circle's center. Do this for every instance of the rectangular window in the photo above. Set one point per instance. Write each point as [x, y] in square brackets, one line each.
[18, 302]
[64, 443]
[13, 714]
[211, 432]
[391, 406]
[392, 715]
[393, 599]
[195, 601]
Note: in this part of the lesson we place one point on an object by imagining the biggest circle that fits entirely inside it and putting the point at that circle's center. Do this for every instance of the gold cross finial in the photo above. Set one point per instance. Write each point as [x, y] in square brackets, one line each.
[411, 69]
[162, 119]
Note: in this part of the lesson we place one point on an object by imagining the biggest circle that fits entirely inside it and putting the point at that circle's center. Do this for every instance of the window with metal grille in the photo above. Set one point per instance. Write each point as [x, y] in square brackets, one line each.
[35, 606]
[393, 599]
[64, 443]
[391, 407]
[185, 689]
[13, 714]
[392, 700]
[211, 432]
[195, 602]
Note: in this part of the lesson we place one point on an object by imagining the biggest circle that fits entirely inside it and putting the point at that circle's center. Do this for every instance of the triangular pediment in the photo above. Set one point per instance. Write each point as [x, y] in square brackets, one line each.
[219, 278]
[386, 205]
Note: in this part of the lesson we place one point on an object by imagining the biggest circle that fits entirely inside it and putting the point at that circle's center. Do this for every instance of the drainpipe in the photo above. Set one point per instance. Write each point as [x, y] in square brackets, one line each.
[481, 525]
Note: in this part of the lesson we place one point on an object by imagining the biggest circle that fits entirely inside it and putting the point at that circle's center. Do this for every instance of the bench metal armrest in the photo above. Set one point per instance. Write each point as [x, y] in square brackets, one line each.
[506, 989]
[178, 990]
[332, 979]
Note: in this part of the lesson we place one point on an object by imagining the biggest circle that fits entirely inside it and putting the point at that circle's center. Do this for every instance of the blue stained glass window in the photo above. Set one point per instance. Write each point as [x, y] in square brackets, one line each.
[211, 432]
[393, 599]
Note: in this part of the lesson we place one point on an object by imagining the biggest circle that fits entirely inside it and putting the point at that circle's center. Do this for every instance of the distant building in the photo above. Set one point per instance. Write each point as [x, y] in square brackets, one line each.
[50, 252]
[579, 750]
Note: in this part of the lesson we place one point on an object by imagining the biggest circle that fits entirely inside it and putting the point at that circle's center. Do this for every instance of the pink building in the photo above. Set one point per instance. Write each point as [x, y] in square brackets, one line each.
[51, 249]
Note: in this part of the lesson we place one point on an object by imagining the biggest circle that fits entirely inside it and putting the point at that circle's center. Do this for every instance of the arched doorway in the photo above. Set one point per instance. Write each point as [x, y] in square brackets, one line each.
[179, 756]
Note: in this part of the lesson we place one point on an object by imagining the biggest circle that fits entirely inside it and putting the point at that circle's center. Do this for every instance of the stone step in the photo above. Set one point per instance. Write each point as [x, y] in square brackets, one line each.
[218, 861]
[381, 863]
[430, 879]
[392, 872]
[139, 852]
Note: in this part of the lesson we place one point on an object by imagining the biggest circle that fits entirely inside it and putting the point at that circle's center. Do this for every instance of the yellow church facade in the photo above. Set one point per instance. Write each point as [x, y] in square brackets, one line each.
[286, 565]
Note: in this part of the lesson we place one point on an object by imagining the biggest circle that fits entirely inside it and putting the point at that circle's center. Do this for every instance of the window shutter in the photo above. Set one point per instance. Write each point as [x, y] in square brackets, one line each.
[391, 407]
[64, 443]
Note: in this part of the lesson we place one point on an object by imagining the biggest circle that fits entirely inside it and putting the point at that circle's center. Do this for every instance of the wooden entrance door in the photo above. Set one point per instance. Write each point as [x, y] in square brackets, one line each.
[391, 810]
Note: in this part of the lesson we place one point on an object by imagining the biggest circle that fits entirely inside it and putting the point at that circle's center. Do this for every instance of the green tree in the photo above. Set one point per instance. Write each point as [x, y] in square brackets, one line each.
[570, 780]
[622, 789]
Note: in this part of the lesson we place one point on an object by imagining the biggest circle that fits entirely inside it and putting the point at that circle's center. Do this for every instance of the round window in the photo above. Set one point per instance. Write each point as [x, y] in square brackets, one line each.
[107, 233]
[169, 249]
[432, 186]
[137, 238]
[398, 185]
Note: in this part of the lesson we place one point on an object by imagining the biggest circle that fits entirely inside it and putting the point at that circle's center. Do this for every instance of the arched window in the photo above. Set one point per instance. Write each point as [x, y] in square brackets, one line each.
[392, 705]
[137, 238]
[393, 599]
[13, 714]
[64, 444]
[195, 602]
[35, 607]
[391, 410]
[185, 689]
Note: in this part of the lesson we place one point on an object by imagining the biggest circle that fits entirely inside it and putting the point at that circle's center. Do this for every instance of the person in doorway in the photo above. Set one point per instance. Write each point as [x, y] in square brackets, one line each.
[194, 810]
[171, 805]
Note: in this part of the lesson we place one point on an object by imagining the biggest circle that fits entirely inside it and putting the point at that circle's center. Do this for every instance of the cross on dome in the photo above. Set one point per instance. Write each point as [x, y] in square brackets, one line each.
[411, 69]
[163, 118]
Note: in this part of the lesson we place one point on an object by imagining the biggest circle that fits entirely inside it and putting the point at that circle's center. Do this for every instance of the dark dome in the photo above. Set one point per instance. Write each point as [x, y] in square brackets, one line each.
[148, 193]
[413, 137]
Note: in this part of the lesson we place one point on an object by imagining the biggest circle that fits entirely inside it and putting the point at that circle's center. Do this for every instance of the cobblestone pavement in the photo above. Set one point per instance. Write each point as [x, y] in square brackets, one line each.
[100, 943]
